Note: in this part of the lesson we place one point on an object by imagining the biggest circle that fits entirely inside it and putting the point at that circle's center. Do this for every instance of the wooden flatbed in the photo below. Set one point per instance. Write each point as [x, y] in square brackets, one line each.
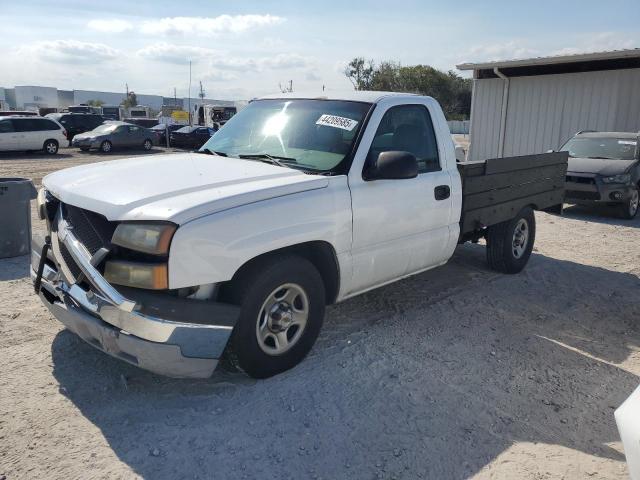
[495, 190]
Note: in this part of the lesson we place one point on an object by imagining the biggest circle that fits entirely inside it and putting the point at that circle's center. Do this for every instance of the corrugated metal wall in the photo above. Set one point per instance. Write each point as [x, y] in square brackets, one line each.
[544, 111]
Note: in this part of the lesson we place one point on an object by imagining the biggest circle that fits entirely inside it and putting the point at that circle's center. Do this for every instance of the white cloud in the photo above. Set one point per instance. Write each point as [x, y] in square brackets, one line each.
[600, 42]
[282, 61]
[312, 76]
[69, 52]
[208, 26]
[177, 54]
[501, 51]
[110, 26]
[218, 76]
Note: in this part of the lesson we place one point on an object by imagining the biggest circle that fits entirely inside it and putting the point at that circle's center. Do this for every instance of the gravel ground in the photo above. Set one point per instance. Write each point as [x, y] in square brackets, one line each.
[459, 372]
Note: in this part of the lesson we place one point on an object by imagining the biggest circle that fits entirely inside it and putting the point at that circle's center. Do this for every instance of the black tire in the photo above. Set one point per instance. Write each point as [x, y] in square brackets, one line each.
[106, 146]
[147, 144]
[629, 209]
[251, 289]
[50, 147]
[502, 253]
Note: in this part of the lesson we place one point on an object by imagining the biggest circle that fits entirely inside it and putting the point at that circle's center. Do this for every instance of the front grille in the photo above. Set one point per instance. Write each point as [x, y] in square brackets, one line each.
[91, 229]
[578, 195]
[584, 180]
[68, 260]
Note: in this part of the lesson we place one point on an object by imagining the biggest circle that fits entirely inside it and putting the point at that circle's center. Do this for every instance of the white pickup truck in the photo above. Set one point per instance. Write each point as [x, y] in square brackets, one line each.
[170, 261]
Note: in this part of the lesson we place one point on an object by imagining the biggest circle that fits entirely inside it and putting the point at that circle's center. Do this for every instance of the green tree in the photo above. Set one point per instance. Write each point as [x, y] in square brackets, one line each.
[95, 103]
[359, 72]
[452, 91]
[130, 101]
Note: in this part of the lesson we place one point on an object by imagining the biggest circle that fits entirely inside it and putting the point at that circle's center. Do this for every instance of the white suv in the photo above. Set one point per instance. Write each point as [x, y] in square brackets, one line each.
[31, 133]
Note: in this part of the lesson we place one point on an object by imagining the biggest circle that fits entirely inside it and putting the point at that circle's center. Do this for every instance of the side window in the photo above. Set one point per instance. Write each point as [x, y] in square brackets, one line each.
[407, 128]
[23, 125]
[46, 125]
[6, 126]
[134, 129]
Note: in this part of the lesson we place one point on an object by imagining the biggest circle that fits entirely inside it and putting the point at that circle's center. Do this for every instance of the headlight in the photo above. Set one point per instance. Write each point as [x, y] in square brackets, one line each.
[140, 275]
[625, 178]
[153, 238]
[41, 201]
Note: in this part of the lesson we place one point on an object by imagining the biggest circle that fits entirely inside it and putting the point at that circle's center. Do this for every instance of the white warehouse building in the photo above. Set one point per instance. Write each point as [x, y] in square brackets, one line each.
[521, 107]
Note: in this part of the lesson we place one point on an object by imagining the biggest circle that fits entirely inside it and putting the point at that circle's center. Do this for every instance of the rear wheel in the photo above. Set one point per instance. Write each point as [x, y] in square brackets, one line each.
[509, 244]
[147, 145]
[106, 146]
[282, 303]
[50, 147]
[629, 209]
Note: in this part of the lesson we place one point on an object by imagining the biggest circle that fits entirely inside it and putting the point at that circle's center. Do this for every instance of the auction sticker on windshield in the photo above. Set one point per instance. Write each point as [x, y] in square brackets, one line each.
[337, 122]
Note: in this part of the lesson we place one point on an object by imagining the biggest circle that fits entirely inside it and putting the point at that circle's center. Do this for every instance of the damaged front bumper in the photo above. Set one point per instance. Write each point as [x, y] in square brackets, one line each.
[165, 334]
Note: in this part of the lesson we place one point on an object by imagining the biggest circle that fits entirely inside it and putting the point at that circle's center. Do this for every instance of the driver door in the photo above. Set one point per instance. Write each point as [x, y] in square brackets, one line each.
[401, 226]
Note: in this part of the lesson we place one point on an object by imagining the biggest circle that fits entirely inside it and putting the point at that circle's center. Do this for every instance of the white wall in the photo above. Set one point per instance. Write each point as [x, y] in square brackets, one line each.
[116, 98]
[31, 96]
[546, 110]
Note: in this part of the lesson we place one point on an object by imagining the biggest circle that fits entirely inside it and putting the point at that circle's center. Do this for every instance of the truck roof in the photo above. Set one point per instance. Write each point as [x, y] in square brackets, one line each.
[347, 95]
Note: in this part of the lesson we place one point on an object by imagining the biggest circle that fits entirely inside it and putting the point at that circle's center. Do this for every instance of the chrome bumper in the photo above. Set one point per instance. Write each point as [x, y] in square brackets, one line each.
[122, 327]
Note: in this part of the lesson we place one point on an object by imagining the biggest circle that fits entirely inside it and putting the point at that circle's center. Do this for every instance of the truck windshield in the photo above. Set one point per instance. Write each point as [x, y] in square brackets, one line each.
[604, 147]
[313, 135]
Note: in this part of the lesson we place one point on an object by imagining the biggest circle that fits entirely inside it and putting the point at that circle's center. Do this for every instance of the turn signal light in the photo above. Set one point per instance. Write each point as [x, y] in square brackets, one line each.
[136, 274]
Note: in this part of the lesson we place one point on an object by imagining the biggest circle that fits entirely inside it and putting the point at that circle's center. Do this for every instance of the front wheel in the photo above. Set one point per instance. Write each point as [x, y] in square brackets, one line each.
[50, 147]
[509, 244]
[282, 303]
[106, 146]
[147, 145]
[629, 209]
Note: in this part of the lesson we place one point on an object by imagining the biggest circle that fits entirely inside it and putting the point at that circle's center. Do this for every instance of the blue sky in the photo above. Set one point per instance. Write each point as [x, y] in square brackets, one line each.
[241, 49]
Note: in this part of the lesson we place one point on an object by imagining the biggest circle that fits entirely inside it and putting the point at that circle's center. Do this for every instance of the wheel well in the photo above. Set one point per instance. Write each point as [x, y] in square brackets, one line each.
[321, 254]
[51, 140]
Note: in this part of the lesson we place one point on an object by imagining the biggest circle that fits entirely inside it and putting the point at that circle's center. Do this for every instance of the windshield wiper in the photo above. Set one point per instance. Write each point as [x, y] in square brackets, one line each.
[209, 152]
[272, 159]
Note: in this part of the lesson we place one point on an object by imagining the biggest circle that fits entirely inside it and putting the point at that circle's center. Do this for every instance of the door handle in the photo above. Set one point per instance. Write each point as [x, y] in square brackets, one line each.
[442, 192]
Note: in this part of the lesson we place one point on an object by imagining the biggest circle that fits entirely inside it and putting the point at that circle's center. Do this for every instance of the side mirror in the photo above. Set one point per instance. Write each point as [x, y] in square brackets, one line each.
[394, 165]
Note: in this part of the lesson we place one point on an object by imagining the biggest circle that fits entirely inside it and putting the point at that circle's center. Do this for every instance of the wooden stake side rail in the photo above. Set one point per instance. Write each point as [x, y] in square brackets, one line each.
[496, 190]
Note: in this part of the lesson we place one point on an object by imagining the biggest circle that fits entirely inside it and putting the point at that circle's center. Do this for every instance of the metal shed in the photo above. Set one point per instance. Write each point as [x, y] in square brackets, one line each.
[521, 107]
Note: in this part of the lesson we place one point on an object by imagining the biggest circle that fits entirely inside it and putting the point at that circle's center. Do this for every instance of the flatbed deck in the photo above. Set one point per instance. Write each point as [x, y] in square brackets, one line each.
[495, 190]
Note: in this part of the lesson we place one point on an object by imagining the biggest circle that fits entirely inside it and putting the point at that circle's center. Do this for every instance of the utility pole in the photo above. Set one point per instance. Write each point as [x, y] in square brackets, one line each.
[190, 93]
[175, 97]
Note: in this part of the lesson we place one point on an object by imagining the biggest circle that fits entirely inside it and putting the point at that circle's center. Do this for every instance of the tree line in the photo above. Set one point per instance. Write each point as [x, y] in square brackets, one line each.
[451, 90]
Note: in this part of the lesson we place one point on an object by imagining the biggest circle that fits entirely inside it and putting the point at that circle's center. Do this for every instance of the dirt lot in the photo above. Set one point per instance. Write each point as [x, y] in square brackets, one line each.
[454, 373]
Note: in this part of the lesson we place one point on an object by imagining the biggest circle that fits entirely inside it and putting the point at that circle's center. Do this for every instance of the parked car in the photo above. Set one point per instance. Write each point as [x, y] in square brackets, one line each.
[18, 113]
[115, 134]
[143, 122]
[294, 204]
[76, 123]
[190, 137]
[31, 133]
[161, 131]
[604, 168]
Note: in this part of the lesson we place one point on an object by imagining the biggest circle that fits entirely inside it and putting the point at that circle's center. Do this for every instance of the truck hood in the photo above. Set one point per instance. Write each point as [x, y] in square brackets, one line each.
[176, 187]
[599, 166]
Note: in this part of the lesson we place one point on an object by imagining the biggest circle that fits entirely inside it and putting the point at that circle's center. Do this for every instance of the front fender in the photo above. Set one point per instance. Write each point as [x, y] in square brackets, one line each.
[211, 249]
